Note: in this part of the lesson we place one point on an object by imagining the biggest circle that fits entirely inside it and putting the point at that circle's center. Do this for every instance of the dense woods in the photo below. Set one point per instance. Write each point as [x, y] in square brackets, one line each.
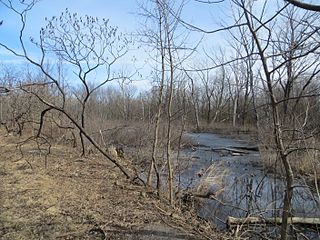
[264, 81]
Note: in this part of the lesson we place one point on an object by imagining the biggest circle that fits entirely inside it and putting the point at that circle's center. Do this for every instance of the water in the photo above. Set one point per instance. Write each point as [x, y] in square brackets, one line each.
[238, 182]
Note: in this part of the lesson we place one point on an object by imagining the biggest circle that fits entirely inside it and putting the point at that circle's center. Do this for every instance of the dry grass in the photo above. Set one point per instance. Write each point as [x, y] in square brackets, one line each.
[227, 128]
[305, 162]
[213, 181]
[72, 196]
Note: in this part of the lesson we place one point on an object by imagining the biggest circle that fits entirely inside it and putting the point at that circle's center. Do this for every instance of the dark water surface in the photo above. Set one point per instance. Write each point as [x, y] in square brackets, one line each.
[238, 181]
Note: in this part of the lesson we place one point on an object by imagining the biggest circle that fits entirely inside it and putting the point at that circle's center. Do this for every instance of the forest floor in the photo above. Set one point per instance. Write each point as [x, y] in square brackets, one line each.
[81, 198]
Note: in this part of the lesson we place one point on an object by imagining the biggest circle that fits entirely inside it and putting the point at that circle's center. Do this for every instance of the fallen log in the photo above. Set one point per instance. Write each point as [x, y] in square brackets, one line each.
[253, 148]
[232, 150]
[233, 222]
[236, 150]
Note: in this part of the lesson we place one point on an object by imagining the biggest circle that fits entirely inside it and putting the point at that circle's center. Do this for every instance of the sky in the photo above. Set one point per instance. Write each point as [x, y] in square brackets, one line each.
[121, 13]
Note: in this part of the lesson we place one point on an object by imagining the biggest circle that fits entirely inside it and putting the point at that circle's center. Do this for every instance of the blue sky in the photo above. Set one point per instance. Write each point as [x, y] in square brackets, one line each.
[121, 13]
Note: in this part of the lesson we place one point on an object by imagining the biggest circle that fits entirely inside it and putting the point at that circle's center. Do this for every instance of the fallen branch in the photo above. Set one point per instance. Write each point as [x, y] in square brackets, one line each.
[232, 150]
[233, 222]
[253, 148]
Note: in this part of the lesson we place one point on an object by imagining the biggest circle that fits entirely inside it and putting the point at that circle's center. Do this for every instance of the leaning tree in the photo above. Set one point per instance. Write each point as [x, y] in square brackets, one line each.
[91, 48]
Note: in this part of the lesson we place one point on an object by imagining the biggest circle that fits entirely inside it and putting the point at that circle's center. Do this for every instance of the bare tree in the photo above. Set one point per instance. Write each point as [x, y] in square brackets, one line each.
[243, 46]
[194, 98]
[209, 89]
[155, 38]
[169, 29]
[162, 40]
[87, 45]
[262, 33]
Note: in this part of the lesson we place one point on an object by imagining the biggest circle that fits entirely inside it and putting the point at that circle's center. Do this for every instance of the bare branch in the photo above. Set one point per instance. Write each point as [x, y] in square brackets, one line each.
[306, 6]
[209, 2]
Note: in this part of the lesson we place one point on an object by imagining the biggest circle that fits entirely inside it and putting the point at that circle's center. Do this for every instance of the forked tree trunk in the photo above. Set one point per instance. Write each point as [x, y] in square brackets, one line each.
[169, 45]
[154, 162]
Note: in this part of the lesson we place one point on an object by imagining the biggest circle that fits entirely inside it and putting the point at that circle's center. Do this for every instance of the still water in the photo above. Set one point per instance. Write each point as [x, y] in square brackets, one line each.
[230, 169]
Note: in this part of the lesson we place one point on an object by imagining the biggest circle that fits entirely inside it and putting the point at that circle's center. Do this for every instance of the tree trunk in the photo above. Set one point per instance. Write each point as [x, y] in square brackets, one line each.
[169, 40]
[277, 132]
[234, 115]
[154, 162]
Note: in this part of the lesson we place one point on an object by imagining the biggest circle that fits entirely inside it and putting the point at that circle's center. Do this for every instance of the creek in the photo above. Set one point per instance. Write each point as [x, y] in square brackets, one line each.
[230, 170]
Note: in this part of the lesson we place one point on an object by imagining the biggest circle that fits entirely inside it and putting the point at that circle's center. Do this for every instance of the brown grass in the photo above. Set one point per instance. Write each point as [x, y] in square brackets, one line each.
[75, 195]
[304, 163]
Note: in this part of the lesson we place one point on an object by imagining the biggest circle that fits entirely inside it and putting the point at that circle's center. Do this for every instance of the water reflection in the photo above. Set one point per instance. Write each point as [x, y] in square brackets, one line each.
[238, 183]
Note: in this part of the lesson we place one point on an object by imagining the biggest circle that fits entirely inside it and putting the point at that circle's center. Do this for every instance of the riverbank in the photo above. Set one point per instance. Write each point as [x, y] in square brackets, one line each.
[62, 196]
[304, 163]
[248, 133]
